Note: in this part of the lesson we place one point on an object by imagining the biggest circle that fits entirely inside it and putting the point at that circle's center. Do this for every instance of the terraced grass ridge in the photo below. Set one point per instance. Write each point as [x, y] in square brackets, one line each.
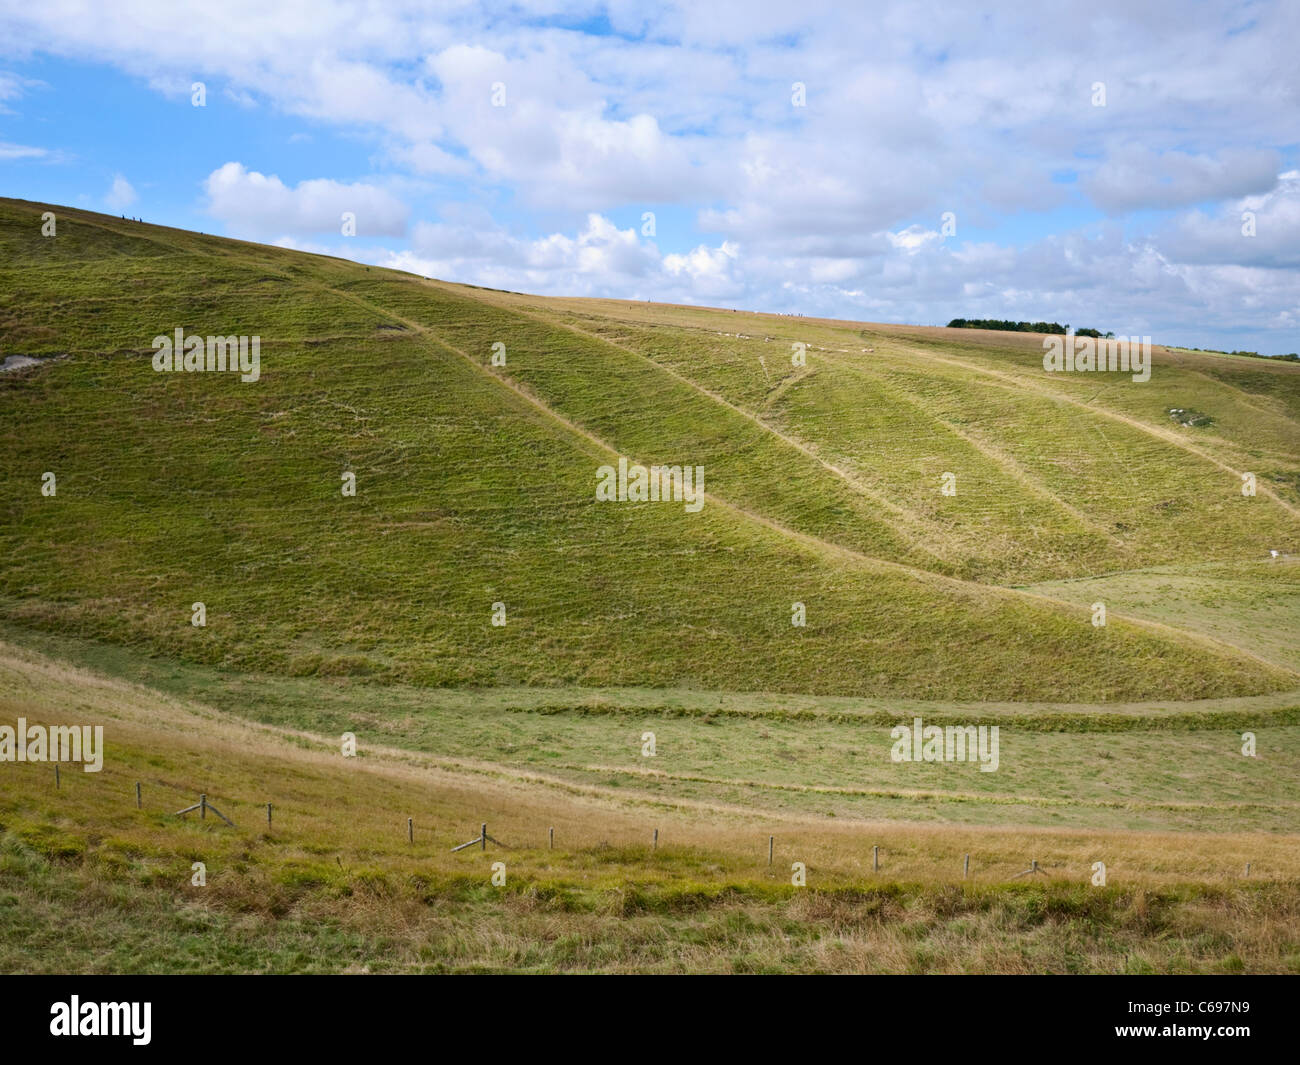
[476, 485]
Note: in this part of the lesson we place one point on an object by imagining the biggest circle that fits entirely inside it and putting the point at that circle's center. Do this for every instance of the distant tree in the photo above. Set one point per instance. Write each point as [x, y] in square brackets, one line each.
[1019, 327]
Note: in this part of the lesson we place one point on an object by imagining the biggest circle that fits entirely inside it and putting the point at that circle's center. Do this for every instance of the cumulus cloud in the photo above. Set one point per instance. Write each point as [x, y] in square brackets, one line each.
[1253, 231]
[120, 194]
[913, 237]
[538, 121]
[253, 203]
[598, 259]
[1135, 177]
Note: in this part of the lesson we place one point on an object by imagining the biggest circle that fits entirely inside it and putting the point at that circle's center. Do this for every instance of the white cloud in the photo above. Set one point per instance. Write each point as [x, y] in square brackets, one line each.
[1136, 177]
[22, 151]
[550, 136]
[240, 98]
[13, 86]
[1221, 236]
[599, 259]
[913, 237]
[913, 110]
[120, 194]
[251, 204]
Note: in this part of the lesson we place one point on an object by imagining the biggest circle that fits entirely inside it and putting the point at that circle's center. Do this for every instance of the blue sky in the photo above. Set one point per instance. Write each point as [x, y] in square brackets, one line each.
[521, 146]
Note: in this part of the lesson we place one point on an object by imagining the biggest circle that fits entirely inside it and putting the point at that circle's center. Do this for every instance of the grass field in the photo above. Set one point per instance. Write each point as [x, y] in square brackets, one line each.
[89, 883]
[476, 482]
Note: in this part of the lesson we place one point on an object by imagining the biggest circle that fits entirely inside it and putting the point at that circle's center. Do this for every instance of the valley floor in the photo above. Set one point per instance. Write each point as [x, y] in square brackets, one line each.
[88, 883]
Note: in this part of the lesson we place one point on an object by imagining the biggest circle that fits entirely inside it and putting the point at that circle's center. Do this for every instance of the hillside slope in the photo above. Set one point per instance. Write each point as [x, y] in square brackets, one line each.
[476, 485]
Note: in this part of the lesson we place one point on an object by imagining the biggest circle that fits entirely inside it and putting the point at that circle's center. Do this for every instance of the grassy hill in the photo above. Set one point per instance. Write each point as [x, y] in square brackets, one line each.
[475, 485]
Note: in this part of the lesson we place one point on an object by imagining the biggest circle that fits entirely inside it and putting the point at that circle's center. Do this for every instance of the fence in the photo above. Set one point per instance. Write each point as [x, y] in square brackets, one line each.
[483, 838]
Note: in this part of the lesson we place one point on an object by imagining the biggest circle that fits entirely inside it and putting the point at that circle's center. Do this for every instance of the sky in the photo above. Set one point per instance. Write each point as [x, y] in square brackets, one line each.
[1132, 167]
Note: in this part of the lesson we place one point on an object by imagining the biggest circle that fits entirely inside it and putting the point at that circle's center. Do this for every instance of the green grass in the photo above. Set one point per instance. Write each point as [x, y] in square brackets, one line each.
[371, 615]
[1255, 605]
[89, 883]
[176, 488]
[59, 917]
[1137, 768]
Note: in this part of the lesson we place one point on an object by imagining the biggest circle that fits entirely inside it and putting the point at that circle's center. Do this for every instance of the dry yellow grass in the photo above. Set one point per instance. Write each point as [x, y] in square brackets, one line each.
[335, 885]
[179, 748]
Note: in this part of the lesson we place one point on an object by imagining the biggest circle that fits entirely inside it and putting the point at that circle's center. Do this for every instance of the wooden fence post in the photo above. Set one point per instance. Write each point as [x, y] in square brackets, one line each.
[771, 842]
[137, 795]
[965, 868]
[875, 858]
[552, 843]
[483, 833]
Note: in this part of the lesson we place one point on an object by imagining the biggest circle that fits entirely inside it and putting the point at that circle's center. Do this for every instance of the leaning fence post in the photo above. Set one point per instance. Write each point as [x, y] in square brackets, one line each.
[202, 807]
[875, 858]
[481, 839]
[655, 845]
[137, 795]
[1031, 871]
[410, 830]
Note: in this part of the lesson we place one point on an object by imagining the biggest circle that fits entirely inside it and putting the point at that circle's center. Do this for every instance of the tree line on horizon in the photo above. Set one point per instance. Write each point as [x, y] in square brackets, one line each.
[1056, 327]
[1022, 327]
